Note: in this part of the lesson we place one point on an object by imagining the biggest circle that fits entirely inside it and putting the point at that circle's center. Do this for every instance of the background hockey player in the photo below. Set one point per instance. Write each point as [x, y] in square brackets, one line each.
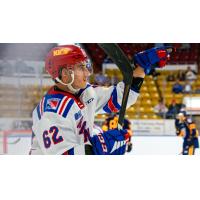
[64, 118]
[111, 123]
[186, 128]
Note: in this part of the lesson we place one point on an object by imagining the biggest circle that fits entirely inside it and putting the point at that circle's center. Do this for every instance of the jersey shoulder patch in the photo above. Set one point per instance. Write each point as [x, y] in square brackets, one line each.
[57, 102]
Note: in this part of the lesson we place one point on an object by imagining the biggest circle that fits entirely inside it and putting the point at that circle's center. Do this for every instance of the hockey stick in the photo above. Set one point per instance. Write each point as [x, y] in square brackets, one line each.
[122, 62]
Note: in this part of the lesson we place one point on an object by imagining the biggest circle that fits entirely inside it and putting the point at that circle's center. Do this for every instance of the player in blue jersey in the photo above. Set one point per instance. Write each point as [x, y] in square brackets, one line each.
[186, 128]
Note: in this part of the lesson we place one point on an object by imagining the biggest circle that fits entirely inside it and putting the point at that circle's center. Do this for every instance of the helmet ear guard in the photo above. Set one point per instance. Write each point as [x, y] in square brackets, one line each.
[69, 85]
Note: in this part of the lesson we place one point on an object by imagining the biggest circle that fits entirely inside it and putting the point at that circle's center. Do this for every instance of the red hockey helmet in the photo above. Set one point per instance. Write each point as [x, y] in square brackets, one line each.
[63, 56]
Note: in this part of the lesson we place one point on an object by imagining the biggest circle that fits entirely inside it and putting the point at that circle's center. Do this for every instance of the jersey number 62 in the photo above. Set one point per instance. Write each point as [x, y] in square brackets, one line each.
[51, 135]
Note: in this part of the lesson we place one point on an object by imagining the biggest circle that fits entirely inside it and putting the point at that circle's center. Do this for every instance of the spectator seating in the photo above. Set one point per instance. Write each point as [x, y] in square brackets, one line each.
[181, 56]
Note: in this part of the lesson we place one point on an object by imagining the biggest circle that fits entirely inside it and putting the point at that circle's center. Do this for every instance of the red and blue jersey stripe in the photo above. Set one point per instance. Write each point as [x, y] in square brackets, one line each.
[112, 105]
[40, 108]
[68, 107]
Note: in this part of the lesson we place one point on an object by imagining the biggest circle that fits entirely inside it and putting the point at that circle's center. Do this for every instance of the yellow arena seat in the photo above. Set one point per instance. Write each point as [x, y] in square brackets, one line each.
[144, 89]
[155, 96]
[152, 89]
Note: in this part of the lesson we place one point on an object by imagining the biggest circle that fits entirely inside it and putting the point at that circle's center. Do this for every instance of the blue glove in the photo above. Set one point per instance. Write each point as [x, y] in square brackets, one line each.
[111, 142]
[153, 58]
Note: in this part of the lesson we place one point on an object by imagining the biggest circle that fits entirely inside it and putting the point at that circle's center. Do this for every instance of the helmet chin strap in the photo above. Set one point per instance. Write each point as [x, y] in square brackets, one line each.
[69, 85]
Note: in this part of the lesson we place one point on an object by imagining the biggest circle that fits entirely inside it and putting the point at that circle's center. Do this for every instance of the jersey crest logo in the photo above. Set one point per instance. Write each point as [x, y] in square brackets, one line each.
[52, 103]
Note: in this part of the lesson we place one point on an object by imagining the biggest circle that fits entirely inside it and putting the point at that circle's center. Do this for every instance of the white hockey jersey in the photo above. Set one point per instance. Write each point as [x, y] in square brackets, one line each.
[62, 121]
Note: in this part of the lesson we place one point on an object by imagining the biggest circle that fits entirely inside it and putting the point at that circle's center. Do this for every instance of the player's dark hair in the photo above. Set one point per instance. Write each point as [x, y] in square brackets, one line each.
[59, 75]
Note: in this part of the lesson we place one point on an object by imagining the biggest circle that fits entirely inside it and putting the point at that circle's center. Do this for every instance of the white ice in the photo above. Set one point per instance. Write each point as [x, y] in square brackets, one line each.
[142, 145]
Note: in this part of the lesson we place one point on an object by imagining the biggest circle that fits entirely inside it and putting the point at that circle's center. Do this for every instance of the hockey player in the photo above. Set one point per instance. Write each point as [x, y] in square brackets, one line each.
[111, 123]
[186, 128]
[63, 120]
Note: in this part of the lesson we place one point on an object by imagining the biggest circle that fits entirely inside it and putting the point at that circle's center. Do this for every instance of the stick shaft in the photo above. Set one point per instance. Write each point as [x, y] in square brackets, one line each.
[123, 106]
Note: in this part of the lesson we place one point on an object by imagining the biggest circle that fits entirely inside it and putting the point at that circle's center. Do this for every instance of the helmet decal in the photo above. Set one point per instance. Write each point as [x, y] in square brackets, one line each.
[62, 51]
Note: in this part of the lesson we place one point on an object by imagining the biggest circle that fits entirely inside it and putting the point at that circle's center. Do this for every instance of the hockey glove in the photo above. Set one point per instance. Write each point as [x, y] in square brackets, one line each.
[111, 142]
[153, 58]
